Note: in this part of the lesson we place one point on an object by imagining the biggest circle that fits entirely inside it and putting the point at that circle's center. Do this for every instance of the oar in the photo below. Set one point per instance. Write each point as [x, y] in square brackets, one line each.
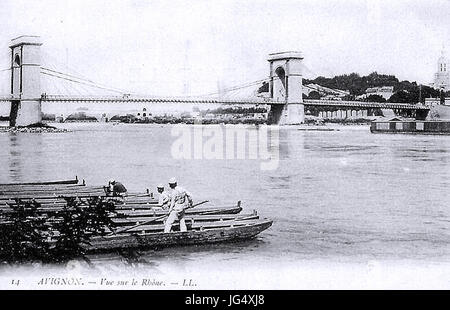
[152, 220]
[197, 204]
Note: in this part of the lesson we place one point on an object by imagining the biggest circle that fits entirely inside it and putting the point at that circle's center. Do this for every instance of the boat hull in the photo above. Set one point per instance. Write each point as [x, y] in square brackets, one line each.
[189, 218]
[193, 237]
[62, 182]
[194, 211]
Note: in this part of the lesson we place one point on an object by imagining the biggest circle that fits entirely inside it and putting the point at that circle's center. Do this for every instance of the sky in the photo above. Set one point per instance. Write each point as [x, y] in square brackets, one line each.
[194, 47]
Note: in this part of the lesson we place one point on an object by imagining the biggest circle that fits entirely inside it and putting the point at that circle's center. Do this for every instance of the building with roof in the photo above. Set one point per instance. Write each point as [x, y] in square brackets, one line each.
[384, 91]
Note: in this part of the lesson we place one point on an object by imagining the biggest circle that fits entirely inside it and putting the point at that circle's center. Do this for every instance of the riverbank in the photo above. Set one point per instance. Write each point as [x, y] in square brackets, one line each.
[232, 120]
[36, 128]
[238, 121]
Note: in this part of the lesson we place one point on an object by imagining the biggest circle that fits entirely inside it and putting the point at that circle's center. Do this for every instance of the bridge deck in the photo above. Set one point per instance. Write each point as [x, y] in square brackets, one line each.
[262, 101]
[364, 104]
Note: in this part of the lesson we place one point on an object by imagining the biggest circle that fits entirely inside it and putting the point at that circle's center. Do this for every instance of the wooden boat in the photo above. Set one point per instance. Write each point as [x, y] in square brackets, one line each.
[129, 221]
[190, 223]
[238, 230]
[135, 213]
[49, 192]
[51, 198]
[48, 189]
[73, 181]
[194, 211]
[55, 197]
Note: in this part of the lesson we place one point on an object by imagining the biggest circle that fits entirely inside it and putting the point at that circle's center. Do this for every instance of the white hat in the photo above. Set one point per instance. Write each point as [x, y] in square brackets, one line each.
[160, 186]
[112, 181]
[172, 181]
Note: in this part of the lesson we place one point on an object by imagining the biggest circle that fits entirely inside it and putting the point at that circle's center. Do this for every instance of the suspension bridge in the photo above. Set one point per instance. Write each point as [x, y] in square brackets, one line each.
[34, 86]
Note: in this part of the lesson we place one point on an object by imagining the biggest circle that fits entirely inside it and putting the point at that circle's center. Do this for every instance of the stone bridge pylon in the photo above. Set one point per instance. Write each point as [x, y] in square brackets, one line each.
[25, 81]
[285, 86]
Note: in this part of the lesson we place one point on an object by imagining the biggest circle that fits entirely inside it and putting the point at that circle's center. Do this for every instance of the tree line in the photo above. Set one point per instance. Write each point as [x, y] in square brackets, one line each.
[404, 91]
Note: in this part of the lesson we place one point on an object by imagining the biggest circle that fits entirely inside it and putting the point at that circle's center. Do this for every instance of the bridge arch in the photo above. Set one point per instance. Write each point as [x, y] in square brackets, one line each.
[17, 60]
[279, 84]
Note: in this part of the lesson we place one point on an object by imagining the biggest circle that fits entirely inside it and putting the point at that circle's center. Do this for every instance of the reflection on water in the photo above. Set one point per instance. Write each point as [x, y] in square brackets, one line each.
[344, 194]
[23, 152]
[14, 157]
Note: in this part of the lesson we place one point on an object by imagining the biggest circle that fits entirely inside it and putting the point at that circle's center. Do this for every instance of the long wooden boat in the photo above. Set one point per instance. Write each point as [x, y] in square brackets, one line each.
[72, 181]
[141, 213]
[56, 197]
[47, 190]
[50, 193]
[239, 230]
[190, 224]
[194, 211]
[129, 221]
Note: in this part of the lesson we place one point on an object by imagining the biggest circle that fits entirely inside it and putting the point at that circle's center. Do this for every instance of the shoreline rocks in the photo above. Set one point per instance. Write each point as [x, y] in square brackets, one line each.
[32, 130]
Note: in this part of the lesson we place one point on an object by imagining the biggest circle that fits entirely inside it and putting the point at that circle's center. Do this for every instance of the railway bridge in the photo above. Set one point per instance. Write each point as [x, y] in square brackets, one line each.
[285, 99]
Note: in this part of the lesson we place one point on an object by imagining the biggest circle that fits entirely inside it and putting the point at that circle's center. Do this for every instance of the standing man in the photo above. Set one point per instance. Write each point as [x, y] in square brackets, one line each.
[181, 200]
[116, 189]
[164, 198]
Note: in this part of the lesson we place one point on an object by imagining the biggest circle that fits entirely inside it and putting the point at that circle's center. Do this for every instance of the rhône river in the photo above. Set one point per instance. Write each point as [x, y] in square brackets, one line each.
[345, 195]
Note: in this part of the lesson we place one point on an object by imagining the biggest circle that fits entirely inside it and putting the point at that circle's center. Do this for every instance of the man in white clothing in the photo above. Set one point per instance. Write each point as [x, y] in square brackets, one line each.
[180, 201]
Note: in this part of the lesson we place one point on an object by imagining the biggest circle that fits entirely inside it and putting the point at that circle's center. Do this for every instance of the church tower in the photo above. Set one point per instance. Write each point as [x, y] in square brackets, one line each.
[442, 76]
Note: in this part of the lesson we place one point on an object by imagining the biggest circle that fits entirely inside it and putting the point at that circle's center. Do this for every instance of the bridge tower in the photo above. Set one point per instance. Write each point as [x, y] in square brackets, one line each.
[285, 86]
[25, 81]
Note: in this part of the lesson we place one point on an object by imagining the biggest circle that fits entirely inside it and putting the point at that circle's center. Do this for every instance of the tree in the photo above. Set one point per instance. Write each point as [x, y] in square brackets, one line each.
[404, 91]
[357, 85]
[264, 88]
[414, 94]
[375, 98]
[30, 231]
[401, 97]
[313, 95]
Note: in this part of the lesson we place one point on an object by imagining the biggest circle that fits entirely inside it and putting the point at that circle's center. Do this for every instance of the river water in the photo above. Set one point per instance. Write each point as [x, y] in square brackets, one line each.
[345, 195]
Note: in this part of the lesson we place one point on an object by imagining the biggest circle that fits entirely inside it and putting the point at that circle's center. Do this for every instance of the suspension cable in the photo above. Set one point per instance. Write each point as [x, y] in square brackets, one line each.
[69, 75]
[80, 82]
[237, 87]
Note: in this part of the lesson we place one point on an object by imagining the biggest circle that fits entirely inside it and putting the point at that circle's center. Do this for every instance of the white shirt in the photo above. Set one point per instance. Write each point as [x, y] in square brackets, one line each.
[164, 200]
[180, 196]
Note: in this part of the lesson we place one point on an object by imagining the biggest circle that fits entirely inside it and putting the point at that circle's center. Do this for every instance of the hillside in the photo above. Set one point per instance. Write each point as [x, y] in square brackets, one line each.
[404, 91]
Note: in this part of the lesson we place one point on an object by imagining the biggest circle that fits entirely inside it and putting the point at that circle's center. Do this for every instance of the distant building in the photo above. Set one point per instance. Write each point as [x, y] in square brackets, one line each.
[436, 101]
[332, 97]
[384, 91]
[442, 76]
[329, 93]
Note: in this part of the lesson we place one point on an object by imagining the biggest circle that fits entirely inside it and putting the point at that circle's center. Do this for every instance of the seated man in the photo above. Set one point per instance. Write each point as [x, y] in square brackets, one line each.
[116, 189]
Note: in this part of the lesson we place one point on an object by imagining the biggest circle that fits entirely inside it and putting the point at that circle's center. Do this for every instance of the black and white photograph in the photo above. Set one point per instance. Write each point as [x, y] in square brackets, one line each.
[224, 145]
